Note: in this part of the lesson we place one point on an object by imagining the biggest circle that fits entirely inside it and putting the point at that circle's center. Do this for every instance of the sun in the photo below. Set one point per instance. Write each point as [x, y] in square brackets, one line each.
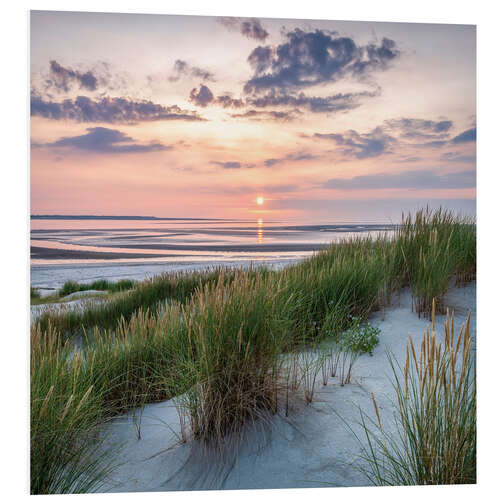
[260, 200]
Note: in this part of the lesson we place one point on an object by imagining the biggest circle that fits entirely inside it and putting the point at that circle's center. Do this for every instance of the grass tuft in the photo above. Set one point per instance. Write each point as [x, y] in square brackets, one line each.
[118, 286]
[435, 442]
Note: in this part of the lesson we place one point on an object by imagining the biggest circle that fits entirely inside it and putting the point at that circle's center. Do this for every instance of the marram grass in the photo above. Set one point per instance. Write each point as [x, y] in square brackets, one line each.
[435, 441]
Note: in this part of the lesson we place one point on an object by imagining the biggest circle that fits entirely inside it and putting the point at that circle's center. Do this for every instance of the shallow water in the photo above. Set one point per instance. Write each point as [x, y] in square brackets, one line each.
[115, 248]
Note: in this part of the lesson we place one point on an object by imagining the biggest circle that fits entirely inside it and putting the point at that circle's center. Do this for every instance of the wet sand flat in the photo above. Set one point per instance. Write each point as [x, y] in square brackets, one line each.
[60, 254]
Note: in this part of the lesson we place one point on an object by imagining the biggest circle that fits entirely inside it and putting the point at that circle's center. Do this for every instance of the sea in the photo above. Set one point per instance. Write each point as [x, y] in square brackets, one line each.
[85, 248]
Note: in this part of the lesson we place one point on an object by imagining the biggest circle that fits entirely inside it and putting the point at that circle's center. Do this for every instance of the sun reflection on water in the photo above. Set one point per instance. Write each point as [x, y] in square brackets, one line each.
[260, 231]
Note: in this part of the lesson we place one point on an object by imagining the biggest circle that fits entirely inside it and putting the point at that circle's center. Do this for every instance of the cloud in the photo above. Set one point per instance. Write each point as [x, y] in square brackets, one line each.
[464, 137]
[108, 110]
[310, 58]
[106, 140]
[412, 179]
[182, 69]
[467, 136]
[453, 156]
[412, 127]
[272, 161]
[432, 144]
[334, 103]
[369, 145]
[403, 132]
[434, 133]
[249, 27]
[63, 78]
[230, 165]
[293, 157]
[260, 58]
[410, 159]
[279, 116]
[202, 96]
[226, 101]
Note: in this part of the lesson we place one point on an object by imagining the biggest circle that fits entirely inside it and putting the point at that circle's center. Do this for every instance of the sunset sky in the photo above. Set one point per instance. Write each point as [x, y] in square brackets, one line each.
[181, 116]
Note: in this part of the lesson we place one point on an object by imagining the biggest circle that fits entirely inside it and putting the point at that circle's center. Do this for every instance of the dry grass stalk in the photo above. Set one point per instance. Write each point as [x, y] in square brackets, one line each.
[436, 416]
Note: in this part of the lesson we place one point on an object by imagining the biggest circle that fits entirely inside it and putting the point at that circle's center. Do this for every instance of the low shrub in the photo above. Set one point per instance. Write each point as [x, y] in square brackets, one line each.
[361, 337]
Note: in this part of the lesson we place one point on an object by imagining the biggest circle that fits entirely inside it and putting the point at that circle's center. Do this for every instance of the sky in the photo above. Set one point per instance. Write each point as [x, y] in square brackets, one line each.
[184, 116]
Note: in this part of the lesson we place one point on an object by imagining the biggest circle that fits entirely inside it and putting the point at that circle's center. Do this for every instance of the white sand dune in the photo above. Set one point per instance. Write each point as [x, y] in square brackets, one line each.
[312, 447]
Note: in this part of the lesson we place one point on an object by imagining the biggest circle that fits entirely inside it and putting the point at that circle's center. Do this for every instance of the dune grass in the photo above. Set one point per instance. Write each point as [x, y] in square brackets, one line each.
[435, 442]
[65, 407]
[429, 249]
[218, 337]
[148, 294]
[112, 286]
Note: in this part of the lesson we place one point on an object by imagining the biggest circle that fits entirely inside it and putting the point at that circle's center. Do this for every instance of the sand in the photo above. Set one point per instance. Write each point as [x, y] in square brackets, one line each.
[311, 448]
[62, 254]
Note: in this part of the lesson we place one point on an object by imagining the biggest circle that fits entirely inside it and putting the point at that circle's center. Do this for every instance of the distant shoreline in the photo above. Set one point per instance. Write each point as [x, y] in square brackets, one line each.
[116, 217]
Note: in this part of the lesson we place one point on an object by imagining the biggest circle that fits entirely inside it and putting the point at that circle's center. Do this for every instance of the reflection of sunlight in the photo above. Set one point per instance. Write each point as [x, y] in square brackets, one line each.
[260, 232]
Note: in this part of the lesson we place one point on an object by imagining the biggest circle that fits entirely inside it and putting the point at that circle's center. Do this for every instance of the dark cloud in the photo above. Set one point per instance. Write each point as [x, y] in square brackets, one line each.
[291, 157]
[63, 78]
[230, 165]
[413, 179]
[304, 60]
[334, 103]
[108, 110]
[226, 101]
[329, 104]
[429, 133]
[369, 145]
[182, 69]
[412, 125]
[202, 96]
[405, 132]
[260, 58]
[272, 161]
[279, 116]
[106, 140]
[464, 137]
[467, 136]
[315, 57]
[251, 27]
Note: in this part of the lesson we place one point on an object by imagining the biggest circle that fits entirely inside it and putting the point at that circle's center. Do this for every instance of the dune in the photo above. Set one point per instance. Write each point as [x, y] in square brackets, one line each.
[312, 447]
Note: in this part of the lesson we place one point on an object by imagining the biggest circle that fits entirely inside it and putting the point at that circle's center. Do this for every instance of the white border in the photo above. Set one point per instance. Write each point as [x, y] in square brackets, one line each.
[15, 209]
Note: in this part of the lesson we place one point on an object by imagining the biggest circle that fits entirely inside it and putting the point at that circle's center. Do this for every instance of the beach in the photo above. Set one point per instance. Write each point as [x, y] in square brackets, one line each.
[201, 374]
[113, 248]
